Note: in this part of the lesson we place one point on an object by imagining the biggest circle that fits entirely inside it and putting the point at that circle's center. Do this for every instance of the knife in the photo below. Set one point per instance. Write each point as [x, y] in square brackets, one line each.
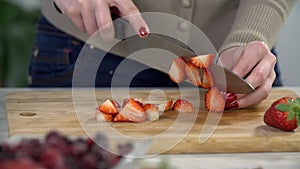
[155, 59]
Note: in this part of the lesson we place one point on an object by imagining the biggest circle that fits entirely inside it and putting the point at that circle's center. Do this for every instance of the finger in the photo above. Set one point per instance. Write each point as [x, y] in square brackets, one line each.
[251, 55]
[260, 94]
[104, 21]
[131, 13]
[73, 12]
[262, 70]
[88, 16]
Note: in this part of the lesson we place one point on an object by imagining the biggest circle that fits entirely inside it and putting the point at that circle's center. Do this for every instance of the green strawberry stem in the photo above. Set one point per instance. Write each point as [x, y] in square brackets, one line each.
[292, 108]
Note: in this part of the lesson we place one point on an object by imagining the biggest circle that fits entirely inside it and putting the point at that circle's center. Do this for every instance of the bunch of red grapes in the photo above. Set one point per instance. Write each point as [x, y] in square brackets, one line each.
[60, 152]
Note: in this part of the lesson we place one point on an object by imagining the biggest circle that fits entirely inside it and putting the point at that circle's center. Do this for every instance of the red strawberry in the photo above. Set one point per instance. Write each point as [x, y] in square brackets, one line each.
[284, 114]
[207, 79]
[177, 70]
[214, 100]
[203, 61]
[133, 111]
[183, 106]
[103, 117]
[152, 112]
[108, 107]
[193, 74]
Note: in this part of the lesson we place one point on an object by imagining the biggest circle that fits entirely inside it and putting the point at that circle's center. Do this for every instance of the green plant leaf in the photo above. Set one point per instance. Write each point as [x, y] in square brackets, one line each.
[298, 118]
[283, 107]
[291, 115]
[297, 100]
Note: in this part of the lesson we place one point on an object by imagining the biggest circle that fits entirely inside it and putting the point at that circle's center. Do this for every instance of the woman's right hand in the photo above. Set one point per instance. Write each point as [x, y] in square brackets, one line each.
[93, 15]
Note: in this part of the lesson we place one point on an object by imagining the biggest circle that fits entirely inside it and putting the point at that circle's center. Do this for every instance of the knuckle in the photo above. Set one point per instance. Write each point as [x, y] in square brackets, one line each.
[265, 91]
[260, 46]
[260, 75]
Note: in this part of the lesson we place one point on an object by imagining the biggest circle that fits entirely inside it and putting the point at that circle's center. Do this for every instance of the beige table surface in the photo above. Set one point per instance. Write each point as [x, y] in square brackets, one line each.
[283, 160]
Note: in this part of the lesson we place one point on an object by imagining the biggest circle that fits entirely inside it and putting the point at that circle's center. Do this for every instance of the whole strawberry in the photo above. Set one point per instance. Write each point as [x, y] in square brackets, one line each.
[284, 114]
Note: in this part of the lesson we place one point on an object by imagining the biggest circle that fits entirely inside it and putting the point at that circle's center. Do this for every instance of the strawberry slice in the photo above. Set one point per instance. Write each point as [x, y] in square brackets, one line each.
[207, 79]
[183, 106]
[203, 61]
[177, 70]
[108, 107]
[214, 100]
[103, 117]
[120, 118]
[125, 101]
[133, 111]
[165, 106]
[193, 74]
[152, 112]
[284, 114]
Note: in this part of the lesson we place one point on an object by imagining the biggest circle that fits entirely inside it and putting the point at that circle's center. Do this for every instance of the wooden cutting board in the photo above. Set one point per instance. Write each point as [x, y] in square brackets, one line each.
[243, 130]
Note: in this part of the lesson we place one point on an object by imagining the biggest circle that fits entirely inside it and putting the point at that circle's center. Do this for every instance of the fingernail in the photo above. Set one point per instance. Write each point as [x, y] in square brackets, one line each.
[230, 106]
[231, 97]
[143, 32]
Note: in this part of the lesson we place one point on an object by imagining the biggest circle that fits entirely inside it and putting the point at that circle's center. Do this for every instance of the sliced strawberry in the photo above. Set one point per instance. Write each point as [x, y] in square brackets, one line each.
[165, 106]
[214, 100]
[177, 70]
[183, 106]
[133, 111]
[152, 112]
[203, 61]
[120, 118]
[116, 104]
[108, 107]
[207, 79]
[125, 101]
[193, 74]
[102, 117]
[284, 114]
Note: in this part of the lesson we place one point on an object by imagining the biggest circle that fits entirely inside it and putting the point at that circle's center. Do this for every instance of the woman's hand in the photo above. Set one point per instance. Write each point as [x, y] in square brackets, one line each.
[255, 63]
[93, 15]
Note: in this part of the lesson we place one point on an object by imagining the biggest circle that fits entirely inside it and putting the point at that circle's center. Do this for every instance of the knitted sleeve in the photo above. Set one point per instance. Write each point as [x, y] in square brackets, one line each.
[257, 20]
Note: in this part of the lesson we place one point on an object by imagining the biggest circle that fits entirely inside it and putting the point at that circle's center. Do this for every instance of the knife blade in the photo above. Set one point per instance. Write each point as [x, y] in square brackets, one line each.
[232, 82]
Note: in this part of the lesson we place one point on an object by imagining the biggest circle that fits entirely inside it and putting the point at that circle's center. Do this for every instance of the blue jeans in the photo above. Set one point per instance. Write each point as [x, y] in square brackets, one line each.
[54, 55]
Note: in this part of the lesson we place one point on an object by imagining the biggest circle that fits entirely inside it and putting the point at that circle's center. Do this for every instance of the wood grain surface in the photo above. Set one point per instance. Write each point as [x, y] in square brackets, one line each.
[242, 130]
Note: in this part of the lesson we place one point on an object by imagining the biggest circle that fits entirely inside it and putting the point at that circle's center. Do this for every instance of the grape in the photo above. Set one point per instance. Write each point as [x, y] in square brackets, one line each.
[60, 152]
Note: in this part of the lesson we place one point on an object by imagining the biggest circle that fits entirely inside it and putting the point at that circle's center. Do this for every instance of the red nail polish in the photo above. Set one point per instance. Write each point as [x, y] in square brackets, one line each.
[231, 97]
[230, 106]
[143, 32]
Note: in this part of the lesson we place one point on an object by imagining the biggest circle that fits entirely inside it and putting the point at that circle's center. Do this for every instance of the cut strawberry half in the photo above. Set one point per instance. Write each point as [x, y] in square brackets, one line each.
[207, 79]
[193, 74]
[120, 118]
[165, 106]
[203, 61]
[102, 117]
[183, 106]
[214, 100]
[177, 70]
[152, 112]
[125, 101]
[133, 111]
[108, 107]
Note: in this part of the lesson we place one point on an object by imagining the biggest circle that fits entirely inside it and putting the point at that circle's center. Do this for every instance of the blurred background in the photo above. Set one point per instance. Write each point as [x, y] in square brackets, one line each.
[17, 31]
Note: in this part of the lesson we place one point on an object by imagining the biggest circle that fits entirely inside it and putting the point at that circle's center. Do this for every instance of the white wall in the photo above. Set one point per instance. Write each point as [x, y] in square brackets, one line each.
[288, 48]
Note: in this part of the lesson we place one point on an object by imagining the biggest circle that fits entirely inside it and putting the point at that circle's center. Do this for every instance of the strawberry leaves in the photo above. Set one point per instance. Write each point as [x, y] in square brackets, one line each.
[292, 107]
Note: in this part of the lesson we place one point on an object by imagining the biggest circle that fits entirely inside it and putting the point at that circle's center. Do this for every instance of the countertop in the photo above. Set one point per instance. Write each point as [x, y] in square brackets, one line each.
[203, 161]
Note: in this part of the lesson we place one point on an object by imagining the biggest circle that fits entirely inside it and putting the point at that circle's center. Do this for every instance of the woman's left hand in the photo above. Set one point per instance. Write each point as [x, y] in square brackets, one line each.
[255, 63]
